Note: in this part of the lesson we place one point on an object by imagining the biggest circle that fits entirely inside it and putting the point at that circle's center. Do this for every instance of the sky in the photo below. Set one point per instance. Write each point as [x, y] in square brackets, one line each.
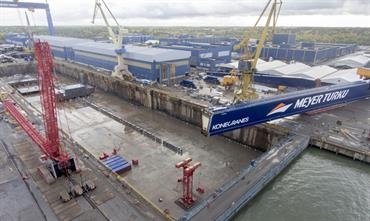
[317, 13]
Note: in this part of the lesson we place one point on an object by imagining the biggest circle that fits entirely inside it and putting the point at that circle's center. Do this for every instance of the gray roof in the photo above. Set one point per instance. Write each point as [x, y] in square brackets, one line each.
[342, 76]
[132, 52]
[353, 61]
[266, 66]
[288, 69]
[235, 64]
[315, 72]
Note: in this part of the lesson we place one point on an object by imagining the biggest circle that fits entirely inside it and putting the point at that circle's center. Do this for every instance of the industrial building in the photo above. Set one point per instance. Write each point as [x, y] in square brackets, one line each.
[300, 75]
[154, 64]
[288, 69]
[284, 47]
[352, 62]
[143, 151]
[341, 76]
[204, 55]
[131, 38]
[209, 39]
[16, 39]
[316, 72]
[22, 39]
[297, 74]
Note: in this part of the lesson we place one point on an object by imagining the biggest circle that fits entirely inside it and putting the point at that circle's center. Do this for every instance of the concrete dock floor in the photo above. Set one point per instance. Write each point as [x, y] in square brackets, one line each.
[109, 202]
[16, 201]
[156, 176]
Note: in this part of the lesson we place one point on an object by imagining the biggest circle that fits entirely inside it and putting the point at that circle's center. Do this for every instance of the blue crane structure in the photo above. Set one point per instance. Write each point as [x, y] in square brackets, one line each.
[217, 120]
[31, 6]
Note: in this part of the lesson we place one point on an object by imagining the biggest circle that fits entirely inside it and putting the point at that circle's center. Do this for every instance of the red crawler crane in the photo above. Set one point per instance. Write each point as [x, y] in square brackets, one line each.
[187, 199]
[58, 161]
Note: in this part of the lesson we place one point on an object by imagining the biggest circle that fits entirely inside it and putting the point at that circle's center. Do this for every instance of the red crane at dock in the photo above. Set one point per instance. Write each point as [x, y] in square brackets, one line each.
[57, 161]
[187, 199]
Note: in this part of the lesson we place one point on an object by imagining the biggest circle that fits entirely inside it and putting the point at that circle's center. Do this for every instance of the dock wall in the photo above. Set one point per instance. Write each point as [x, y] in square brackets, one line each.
[231, 197]
[15, 68]
[261, 137]
[355, 153]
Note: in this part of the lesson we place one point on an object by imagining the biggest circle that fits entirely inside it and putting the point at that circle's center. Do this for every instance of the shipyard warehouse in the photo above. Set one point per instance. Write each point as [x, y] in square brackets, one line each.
[169, 123]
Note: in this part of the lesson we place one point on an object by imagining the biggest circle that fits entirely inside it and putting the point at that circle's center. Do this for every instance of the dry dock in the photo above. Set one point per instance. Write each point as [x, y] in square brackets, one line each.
[160, 129]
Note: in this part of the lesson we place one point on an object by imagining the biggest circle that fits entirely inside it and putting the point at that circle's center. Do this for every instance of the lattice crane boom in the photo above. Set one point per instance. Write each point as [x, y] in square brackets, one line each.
[26, 125]
[50, 143]
[48, 100]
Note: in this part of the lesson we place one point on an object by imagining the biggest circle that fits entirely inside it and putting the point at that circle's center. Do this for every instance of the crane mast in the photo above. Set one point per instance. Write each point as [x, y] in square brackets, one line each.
[57, 160]
[48, 98]
[29, 33]
[120, 71]
[247, 64]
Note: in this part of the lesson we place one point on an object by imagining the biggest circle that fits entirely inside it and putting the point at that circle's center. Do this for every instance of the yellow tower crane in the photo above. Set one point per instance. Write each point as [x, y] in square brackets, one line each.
[120, 71]
[248, 62]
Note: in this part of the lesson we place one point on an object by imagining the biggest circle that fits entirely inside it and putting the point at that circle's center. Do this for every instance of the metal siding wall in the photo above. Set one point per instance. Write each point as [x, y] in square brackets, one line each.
[264, 53]
[154, 75]
[205, 63]
[333, 52]
[272, 52]
[181, 70]
[327, 51]
[291, 39]
[14, 39]
[214, 52]
[136, 38]
[290, 54]
[95, 55]
[309, 57]
[95, 62]
[141, 64]
[69, 53]
[298, 56]
[142, 73]
[198, 51]
[180, 62]
[282, 53]
[58, 53]
[194, 58]
[320, 55]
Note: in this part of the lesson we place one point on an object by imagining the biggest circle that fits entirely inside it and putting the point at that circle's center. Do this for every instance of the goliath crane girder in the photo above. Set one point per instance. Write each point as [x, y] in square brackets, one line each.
[31, 6]
[218, 120]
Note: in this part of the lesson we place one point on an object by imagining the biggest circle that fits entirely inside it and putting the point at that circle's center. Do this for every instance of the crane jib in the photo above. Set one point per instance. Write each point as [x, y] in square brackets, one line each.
[233, 117]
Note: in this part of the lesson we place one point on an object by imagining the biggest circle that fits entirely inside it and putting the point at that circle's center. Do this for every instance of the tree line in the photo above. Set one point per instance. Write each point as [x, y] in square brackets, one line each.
[360, 36]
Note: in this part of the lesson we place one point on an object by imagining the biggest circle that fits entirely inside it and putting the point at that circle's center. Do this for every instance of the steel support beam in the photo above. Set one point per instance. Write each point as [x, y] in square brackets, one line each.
[31, 5]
